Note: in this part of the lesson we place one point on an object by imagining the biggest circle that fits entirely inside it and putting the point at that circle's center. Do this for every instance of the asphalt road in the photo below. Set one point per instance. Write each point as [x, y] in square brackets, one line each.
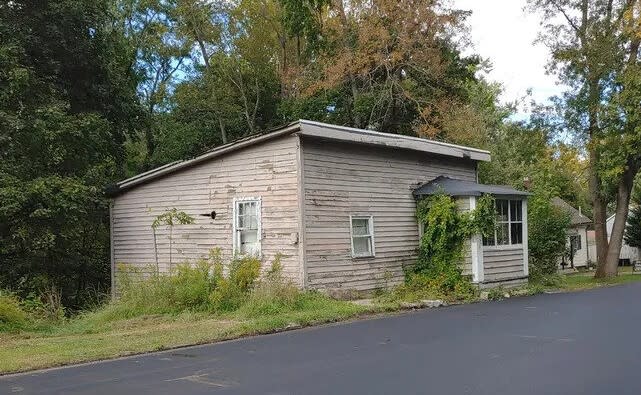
[576, 343]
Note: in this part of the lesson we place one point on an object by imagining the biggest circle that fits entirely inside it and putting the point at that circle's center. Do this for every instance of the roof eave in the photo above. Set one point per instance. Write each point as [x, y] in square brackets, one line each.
[370, 137]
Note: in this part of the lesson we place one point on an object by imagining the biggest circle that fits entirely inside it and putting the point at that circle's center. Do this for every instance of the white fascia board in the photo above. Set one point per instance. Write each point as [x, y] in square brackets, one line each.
[362, 136]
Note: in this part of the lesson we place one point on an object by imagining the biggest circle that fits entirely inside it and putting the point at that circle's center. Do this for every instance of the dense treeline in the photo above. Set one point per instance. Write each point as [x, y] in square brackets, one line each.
[93, 91]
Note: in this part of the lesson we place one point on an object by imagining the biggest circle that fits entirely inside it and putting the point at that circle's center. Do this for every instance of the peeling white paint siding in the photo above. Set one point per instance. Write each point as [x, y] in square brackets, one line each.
[345, 178]
[268, 170]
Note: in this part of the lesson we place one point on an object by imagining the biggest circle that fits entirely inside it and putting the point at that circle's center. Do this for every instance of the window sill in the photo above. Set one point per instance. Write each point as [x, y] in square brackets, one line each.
[504, 247]
[363, 256]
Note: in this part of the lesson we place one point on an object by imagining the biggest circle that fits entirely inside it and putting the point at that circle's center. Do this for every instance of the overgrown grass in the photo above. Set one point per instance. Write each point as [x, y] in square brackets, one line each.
[199, 305]
[195, 305]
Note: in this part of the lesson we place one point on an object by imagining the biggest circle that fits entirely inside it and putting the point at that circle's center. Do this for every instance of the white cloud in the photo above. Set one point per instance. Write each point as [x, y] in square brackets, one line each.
[504, 33]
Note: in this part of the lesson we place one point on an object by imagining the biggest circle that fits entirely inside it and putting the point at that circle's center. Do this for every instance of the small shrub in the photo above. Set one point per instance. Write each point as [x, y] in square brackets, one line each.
[12, 316]
[496, 293]
[273, 294]
[554, 280]
[231, 291]
[547, 234]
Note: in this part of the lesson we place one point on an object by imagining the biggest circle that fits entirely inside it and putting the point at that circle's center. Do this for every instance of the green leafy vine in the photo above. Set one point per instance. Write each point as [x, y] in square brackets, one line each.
[445, 230]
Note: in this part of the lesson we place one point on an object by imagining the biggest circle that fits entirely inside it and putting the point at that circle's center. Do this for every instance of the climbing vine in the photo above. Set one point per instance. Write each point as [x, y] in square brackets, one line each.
[445, 229]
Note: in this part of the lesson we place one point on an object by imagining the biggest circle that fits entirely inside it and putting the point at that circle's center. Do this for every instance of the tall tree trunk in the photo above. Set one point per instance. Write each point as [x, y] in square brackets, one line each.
[600, 216]
[223, 132]
[624, 192]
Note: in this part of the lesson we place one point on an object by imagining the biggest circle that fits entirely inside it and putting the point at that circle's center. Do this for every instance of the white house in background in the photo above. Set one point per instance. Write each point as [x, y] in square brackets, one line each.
[628, 254]
[577, 236]
[338, 203]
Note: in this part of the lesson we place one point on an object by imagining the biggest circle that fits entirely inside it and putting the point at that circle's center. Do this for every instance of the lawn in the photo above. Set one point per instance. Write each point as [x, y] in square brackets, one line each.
[586, 280]
[108, 332]
[89, 338]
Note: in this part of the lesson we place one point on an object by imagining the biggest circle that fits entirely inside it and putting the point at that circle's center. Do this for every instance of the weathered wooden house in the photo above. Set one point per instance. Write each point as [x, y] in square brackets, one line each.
[338, 203]
[577, 237]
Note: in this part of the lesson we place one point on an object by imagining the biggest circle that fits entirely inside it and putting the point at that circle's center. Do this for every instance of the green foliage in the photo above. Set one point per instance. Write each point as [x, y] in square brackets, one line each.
[445, 230]
[230, 292]
[521, 151]
[12, 316]
[437, 272]
[208, 285]
[419, 286]
[553, 280]
[67, 99]
[497, 293]
[547, 233]
[172, 217]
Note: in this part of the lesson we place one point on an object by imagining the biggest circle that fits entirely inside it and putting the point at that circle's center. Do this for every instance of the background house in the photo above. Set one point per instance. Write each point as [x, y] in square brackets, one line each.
[579, 254]
[338, 203]
[628, 254]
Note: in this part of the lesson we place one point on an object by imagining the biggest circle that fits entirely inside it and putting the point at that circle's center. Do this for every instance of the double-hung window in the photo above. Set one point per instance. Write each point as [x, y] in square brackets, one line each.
[362, 235]
[247, 226]
[509, 224]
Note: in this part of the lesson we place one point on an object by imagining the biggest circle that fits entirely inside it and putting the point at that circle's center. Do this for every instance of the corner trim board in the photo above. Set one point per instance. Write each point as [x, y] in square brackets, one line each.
[302, 227]
[478, 274]
[526, 267]
[112, 251]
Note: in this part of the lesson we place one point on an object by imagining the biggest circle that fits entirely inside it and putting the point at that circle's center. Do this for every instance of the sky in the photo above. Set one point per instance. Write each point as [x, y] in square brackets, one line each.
[504, 33]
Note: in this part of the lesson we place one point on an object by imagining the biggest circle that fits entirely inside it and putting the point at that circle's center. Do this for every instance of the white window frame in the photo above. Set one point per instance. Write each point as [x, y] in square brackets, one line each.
[370, 222]
[509, 223]
[236, 234]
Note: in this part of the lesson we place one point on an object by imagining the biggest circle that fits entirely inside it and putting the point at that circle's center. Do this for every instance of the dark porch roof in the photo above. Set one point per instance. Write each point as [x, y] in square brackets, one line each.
[454, 187]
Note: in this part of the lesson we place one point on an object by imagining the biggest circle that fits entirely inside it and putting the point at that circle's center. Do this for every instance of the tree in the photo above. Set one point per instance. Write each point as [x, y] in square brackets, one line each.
[633, 227]
[387, 65]
[67, 102]
[595, 51]
[160, 56]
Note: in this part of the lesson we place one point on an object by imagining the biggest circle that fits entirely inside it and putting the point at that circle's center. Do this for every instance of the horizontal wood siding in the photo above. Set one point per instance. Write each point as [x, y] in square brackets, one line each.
[342, 179]
[268, 170]
[503, 263]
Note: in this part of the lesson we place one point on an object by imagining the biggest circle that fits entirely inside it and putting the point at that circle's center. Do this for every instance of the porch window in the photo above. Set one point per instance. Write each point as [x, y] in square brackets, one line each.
[509, 224]
[362, 235]
[247, 226]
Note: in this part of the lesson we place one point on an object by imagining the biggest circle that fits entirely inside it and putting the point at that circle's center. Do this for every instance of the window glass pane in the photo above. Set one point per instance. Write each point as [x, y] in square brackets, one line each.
[501, 210]
[502, 235]
[517, 233]
[488, 241]
[363, 245]
[248, 242]
[575, 242]
[515, 210]
[253, 222]
[240, 221]
[360, 226]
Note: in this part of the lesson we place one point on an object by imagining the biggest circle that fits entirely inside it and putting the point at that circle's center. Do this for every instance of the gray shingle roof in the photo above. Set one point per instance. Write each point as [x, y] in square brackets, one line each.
[453, 187]
[576, 217]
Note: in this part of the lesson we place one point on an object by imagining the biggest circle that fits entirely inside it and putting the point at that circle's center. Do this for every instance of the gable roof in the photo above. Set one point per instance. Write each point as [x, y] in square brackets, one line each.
[315, 130]
[454, 187]
[576, 217]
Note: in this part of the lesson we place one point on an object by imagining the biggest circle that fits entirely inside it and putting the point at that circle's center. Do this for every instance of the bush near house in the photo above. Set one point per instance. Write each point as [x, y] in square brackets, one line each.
[437, 271]
[547, 232]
